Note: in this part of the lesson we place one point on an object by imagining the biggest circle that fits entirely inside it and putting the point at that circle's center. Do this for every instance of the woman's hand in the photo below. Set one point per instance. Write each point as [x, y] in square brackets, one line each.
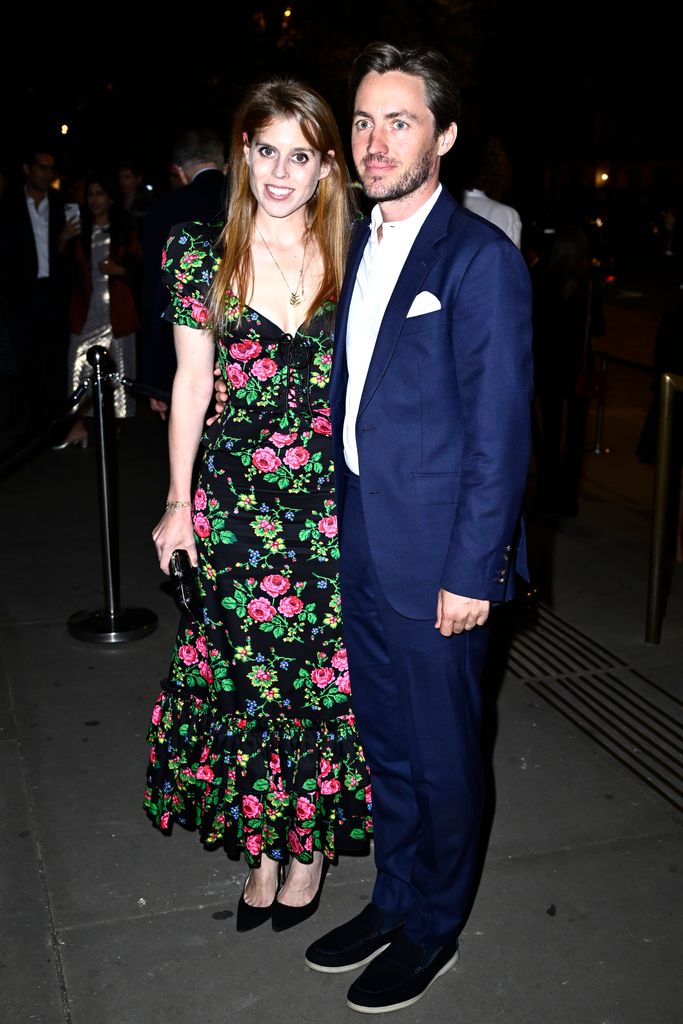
[174, 530]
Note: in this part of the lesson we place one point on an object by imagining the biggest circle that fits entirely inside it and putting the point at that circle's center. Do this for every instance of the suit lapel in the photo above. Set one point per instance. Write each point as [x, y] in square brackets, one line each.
[421, 258]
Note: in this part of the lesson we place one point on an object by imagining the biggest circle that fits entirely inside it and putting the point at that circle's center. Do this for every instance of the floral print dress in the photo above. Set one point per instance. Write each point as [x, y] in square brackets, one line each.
[253, 739]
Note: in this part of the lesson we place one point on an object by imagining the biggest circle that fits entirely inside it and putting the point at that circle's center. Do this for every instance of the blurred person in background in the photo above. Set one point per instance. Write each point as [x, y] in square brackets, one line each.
[482, 169]
[198, 160]
[567, 316]
[135, 196]
[34, 286]
[102, 308]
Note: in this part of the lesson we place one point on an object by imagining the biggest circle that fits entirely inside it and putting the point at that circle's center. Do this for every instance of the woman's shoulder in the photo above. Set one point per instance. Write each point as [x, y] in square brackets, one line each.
[188, 265]
[192, 239]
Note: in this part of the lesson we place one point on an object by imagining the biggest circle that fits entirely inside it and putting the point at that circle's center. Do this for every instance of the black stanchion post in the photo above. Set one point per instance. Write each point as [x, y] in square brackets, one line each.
[111, 624]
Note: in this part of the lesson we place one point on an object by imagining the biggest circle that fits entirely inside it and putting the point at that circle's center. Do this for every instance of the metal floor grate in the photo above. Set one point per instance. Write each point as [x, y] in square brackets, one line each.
[638, 722]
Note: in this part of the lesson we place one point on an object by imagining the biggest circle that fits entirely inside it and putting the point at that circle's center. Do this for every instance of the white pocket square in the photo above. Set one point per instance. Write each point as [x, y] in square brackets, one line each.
[424, 302]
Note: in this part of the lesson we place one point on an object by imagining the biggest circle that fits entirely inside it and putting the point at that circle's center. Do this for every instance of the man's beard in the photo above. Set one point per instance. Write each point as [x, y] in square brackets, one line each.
[410, 181]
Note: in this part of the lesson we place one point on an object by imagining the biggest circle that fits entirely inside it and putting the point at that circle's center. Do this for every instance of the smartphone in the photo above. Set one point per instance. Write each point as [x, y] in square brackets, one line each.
[72, 211]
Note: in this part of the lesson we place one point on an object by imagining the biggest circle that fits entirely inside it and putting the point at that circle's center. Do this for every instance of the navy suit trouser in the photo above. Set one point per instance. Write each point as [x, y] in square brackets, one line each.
[417, 700]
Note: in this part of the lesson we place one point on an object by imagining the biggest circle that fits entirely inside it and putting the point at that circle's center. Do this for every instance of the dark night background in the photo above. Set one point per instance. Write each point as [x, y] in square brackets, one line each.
[565, 86]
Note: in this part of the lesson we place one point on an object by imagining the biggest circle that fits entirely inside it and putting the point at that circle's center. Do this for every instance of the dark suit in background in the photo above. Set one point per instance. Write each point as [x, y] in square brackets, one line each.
[34, 312]
[202, 199]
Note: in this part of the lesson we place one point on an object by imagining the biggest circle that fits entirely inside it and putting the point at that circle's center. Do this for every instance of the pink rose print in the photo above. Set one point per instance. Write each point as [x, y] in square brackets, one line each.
[280, 440]
[251, 806]
[165, 818]
[199, 312]
[200, 499]
[339, 660]
[264, 368]
[322, 676]
[304, 809]
[325, 767]
[203, 647]
[265, 460]
[290, 606]
[275, 763]
[206, 672]
[275, 585]
[188, 655]
[153, 755]
[330, 786]
[343, 684]
[294, 844]
[156, 714]
[328, 526]
[260, 609]
[321, 425]
[201, 525]
[236, 376]
[164, 257]
[244, 350]
[253, 844]
[204, 773]
[296, 457]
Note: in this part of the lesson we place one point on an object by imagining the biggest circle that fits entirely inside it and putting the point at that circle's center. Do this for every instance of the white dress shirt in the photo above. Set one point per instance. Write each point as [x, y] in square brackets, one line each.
[504, 217]
[40, 222]
[379, 270]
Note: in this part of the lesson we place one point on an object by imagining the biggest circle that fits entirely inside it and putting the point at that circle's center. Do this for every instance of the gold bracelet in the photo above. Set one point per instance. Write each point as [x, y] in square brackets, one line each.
[175, 505]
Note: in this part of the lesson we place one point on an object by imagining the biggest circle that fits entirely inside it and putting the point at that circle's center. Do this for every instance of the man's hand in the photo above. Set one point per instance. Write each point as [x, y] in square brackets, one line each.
[221, 392]
[157, 405]
[454, 613]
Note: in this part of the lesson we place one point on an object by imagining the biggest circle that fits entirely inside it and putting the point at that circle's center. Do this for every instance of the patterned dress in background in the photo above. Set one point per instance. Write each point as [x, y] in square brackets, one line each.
[253, 740]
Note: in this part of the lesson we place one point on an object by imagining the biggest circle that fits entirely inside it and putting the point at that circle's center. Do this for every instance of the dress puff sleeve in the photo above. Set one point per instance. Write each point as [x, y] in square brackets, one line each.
[188, 264]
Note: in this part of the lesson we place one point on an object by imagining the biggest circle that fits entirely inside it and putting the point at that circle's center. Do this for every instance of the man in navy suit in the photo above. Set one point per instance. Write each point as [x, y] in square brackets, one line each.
[430, 398]
[198, 157]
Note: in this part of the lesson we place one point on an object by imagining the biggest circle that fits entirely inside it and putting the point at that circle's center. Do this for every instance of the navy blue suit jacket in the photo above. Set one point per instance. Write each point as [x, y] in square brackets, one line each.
[444, 424]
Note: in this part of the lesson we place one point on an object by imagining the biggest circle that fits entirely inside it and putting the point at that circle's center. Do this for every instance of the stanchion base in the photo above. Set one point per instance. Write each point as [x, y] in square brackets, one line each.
[99, 627]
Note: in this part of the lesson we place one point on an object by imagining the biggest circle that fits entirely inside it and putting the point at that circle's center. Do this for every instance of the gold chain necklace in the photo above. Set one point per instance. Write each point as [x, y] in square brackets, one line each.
[294, 297]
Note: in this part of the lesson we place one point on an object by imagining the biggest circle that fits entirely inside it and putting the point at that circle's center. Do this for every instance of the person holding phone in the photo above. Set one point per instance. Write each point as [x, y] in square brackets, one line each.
[102, 309]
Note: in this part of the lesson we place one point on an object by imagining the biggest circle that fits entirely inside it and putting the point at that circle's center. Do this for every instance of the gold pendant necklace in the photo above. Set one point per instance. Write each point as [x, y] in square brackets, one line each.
[294, 297]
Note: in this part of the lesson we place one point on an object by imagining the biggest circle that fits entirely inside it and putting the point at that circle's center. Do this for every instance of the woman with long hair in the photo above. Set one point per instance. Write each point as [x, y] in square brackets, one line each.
[103, 309]
[253, 737]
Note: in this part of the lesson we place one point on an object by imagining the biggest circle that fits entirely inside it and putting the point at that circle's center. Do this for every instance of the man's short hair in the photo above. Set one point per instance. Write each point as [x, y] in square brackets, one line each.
[442, 93]
[198, 146]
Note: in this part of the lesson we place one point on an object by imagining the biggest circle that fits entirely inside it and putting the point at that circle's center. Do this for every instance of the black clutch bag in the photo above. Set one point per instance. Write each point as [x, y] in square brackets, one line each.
[184, 576]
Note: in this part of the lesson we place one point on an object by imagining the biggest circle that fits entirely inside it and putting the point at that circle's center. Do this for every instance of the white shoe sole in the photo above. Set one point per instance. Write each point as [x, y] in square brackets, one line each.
[346, 967]
[407, 1002]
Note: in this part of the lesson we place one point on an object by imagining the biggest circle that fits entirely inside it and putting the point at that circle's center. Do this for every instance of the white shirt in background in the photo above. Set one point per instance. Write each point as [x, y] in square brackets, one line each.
[40, 222]
[505, 217]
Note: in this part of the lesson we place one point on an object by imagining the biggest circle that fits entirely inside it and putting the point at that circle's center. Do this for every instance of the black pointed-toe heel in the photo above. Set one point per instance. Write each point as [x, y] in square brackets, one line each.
[249, 917]
[283, 917]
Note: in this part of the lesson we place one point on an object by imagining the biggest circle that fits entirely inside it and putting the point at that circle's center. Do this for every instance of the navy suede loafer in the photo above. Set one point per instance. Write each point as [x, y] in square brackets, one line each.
[400, 976]
[353, 944]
